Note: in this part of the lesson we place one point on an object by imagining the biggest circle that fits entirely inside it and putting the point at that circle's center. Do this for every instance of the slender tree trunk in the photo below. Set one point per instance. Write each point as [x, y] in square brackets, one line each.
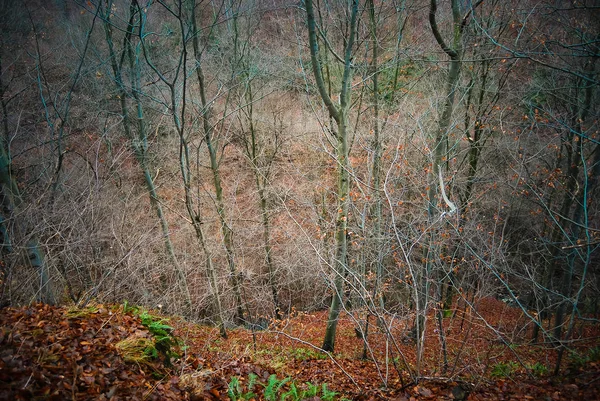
[439, 154]
[5, 139]
[138, 144]
[226, 230]
[376, 172]
[196, 220]
[7, 188]
[5, 174]
[340, 266]
[261, 179]
[268, 252]
[210, 268]
[579, 220]
[340, 115]
[475, 142]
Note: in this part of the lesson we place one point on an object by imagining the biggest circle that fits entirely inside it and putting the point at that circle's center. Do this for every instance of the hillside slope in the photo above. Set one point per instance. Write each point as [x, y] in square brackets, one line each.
[123, 353]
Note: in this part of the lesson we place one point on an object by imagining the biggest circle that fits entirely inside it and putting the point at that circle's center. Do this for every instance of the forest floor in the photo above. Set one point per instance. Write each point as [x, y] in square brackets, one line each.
[118, 352]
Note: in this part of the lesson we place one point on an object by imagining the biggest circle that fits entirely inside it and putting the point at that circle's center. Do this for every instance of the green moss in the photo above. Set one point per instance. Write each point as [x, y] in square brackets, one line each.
[138, 350]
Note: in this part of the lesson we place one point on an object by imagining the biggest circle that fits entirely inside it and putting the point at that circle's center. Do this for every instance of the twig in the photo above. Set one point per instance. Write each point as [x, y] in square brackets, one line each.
[321, 350]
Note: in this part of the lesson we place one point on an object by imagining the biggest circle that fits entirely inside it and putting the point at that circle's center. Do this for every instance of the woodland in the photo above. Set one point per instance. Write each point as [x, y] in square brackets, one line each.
[289, 200]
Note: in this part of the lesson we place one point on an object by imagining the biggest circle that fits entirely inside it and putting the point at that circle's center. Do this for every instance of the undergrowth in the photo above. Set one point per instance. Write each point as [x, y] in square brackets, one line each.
[276, 389]
[504, 369]
[579, 360]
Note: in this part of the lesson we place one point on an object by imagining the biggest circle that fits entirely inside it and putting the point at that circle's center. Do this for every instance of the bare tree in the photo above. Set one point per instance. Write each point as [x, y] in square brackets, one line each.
[133, 92]
[339, 113]
[212, 145]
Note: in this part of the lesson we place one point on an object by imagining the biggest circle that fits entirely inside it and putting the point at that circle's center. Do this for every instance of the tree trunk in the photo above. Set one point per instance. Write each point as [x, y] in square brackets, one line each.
[261, 179]
[139, 145]
[214, 166]
[340, 115]
[340, 263]
[439, 154]
[376, 172]
[579, 221]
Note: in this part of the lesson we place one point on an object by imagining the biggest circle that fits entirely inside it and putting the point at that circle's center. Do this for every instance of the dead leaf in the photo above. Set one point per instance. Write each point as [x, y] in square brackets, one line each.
[425, 392]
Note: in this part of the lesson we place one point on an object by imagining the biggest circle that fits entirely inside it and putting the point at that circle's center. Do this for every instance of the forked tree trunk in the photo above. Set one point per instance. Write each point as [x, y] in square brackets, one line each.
[340, 115]
[439, 153]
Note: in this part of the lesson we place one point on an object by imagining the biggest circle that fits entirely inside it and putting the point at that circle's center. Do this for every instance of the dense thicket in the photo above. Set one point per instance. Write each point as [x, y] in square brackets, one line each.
[237, 158]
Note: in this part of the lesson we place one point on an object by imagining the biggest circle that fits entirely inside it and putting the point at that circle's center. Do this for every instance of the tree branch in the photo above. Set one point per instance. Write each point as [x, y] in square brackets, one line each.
[436, 31]
[316, 64]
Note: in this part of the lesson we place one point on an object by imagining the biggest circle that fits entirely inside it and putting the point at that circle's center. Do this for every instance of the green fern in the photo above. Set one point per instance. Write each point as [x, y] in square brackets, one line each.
[166, 343]
[503, 370]
[293, 393]
[273, 386]
[252, 381]
[234, 389]
[311, 390]
[327, 395]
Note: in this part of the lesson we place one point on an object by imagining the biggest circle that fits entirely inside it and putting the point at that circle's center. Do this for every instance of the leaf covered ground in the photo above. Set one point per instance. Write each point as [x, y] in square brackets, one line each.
[118, 353]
